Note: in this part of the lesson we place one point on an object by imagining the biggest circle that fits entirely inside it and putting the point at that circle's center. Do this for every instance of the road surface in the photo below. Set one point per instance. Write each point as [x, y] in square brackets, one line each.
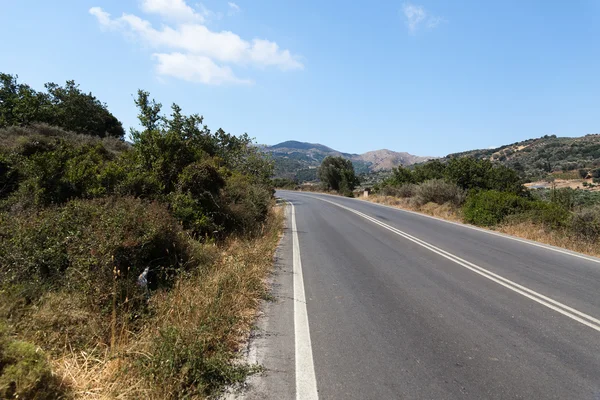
[378, 303]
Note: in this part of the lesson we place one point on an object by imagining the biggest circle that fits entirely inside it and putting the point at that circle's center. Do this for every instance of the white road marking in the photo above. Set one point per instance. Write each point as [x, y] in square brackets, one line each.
[572, 313]
[306, 382]
[487, 231]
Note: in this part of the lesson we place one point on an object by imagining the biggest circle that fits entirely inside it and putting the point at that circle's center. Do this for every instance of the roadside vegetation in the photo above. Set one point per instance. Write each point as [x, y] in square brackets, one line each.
[129, 270]
[479, 192]
[546, 157]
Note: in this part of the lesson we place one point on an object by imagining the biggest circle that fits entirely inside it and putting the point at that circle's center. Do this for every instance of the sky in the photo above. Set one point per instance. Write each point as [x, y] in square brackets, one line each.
[427, 77]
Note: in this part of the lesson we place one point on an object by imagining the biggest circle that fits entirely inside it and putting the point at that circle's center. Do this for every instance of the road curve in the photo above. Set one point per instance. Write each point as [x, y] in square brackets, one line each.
[402, 306]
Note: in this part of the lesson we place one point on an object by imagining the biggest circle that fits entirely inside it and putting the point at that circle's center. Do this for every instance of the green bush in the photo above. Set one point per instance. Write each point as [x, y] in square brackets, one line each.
[405, 191]
[551, 215]
[191, 363]
[66, 106]
[488, 208]
[438, 191]
[473, 174]
[247, 204]
[9, 177]
[586, 223]
[93, 247]
[492, 207]
[54, 166]
[284, 183]
[25, 372]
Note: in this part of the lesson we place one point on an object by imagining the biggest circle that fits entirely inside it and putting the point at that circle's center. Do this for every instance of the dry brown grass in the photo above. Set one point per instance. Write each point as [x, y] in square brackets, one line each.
[559, 238]
[523, 229]
[215, 305]
[445, 211]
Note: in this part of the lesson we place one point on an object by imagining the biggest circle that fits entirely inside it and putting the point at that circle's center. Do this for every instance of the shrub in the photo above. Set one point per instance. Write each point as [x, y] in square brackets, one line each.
[438, 191]
[473, 174]
[54, 166]
[190, 362]
[95, 247]
[401, 176]
[247, 204]
[284, 183]
[24, 371]
[9, 177]
[404, 191]
[551, 215]
[66, 106]
[586, 223]
[489, 208]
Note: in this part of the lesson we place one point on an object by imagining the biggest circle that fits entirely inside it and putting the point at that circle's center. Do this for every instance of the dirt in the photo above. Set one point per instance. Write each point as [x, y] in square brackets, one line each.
[564, 183]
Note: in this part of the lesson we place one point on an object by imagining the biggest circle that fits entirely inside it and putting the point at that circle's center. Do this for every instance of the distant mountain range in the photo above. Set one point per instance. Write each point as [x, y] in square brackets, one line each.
[300, 160]
[533, 158]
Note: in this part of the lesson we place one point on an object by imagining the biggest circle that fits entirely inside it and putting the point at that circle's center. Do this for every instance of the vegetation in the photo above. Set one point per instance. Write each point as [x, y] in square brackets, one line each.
[467, 173]
[535, 159]
[337, 173]
[100, 240]
[482, 193]
[64, 106]
[24, 371]
[283, 183]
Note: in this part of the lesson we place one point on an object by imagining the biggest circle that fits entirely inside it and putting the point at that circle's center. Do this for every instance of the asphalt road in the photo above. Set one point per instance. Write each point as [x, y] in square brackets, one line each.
[402, 306]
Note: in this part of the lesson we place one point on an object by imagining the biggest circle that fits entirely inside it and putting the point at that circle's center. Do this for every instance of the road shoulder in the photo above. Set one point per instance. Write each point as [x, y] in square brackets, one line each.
[271, 342]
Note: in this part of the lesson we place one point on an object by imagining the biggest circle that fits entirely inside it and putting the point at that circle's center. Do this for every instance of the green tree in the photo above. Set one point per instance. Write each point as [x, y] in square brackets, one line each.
[64, 106]
[434, 169]
[470, 173]
[337, 173]
[401, 176]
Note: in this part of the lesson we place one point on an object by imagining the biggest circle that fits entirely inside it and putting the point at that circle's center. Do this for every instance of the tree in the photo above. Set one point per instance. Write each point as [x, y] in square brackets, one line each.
[64, 106]
[431, 170]
[337, 173]
[470, 173]
[401, 176]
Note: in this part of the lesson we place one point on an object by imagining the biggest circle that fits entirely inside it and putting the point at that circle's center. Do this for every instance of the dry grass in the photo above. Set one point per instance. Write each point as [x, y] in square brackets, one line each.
[559, 238]
[523, 229]
[211, 309]
[445, 211]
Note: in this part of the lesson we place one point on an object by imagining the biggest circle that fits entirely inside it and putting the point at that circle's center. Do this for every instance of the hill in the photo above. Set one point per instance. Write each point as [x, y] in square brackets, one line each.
[545, 156]
[300, 160]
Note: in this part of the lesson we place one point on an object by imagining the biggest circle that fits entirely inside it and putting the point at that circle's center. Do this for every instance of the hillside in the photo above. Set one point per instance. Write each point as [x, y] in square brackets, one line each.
[548, 155]
[300, 160]
[382, 160]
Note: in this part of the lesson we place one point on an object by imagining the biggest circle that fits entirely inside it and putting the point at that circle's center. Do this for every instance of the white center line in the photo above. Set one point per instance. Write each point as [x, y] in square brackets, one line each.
[306, 382]
[570, 312]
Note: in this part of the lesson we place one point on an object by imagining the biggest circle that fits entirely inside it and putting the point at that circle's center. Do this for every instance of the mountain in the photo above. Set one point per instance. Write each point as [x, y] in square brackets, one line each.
[538, 158]
[382, 160]
[300, 160]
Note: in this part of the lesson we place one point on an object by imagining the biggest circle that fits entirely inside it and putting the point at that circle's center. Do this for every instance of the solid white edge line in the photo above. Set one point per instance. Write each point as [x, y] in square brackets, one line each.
[306, 382]
[572, 313]
[475, 228]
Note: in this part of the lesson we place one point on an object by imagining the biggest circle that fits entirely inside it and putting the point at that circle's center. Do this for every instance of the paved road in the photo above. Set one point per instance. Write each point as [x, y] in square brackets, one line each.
[402, 306]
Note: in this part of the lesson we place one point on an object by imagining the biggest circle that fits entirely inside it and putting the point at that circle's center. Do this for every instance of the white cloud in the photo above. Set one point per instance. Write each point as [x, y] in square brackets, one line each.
[194, 68]
[103, 17]
[176, 10]
[417, 15]
[233, 8]
[189, 40]
[434, 22]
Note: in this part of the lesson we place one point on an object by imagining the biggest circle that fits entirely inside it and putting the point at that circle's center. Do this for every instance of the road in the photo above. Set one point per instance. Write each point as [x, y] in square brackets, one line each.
[396, 305]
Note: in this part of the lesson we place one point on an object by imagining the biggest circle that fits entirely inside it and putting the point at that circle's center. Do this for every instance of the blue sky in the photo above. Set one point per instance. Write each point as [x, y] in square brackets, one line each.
[427, 77]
